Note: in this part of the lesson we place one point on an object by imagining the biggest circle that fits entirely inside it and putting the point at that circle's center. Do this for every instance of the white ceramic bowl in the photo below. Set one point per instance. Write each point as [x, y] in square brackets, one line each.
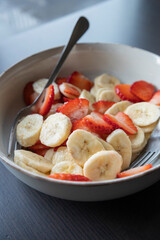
[129, 64]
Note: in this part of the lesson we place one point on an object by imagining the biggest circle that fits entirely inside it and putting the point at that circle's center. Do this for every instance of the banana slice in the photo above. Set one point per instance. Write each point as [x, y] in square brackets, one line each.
[93, 91]
[149, 128]
[137, 139]
[122, 144]
[30, 169]
[87, 95]
[55, 130]
[105, 144]
[139, 149]
[28, 130]
[33, 160]
[143, 113]
[118, 107]
[39, 85]
[53, 109]
[82, 144]
[67, 167]
[107, 95]
[69, 90]
[147, 135]
[106, 80]
[62, 154]
[103, 165]
[49, 154]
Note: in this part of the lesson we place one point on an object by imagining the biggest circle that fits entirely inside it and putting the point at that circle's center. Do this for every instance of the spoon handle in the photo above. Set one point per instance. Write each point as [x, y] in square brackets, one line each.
[80, 28]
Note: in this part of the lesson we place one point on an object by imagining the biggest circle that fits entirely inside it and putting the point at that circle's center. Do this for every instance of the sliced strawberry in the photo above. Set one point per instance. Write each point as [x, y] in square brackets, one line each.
[80, 81]
[96, 124]
[65, 99]
[80, 124]
[123, 91]
[75, 109]
[38, 146]
[102, 106]
[48, 100]
[156, 98]
[134, 171]
[69, 177]
[122, 121]
[142, 90]
[61, 80]
[40, 152]
[27, 92]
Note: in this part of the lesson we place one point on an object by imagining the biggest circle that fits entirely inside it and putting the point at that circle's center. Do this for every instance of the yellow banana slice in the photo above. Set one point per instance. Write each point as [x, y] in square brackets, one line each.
[64, 86]
[103, 165]
[118, 107]
[55, 130]
[39, 85]
[105, 144]
[122, 144]
[82, 144]
[106, 80]
[28, 130]
[87, 95]
[62, 154]
[49, 154]
[33, 160]
[137, 139]
[149, 128]
[107, 95]
[143, 113]
[67, 167]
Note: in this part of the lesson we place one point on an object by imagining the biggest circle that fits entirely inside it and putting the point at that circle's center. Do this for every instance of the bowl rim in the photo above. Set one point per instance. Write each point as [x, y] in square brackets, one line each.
[33, 175]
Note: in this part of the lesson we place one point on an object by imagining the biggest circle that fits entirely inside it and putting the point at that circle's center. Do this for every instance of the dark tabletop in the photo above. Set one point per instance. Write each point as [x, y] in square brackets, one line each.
[28, 214]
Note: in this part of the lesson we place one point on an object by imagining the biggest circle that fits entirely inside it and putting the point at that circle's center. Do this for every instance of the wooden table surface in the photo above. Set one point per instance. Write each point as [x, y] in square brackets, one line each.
[28, 214]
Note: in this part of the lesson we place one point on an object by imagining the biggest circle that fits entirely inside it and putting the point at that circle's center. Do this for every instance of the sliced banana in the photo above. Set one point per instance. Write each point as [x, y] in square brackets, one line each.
[62, 154]
[39, 85]
[105, 144]
[33, 160]
[30, 169]
[137, 139]
[149, 128]
[139, 149]
[28, 130]
[67, 167]
[107, 95]
[118, 107]
[103, 165]
[55, 130]
[70, 90]
[53, 109]
[87, 95]
[93, 91]
[49, 154]
[82, 144]
[143, 113]
[106, 80]
[122, 144]
[147, 135]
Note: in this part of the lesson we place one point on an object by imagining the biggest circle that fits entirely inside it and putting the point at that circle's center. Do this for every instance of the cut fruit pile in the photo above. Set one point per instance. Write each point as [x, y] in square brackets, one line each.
[84, 130]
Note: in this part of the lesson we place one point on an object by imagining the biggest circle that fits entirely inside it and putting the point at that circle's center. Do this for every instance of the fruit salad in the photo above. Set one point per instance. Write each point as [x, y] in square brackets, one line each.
[86, 130]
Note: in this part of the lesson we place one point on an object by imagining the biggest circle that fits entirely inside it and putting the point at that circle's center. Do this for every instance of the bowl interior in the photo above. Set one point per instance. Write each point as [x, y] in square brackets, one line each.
[127, 63]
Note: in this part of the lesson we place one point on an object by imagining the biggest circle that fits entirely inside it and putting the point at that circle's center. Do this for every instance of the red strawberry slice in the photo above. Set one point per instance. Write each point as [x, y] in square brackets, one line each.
[80, 124]
[65, 99]
[122, 121]
[69, 177]
[96, 124]
[102, 106]
[48, 100]
[134, 171]
[61, 80]
[123, 91]
[38, 146]
[27, 92]
[142, 90]
[75, 109]
[156, 98]
[80, 81]
[40, 152]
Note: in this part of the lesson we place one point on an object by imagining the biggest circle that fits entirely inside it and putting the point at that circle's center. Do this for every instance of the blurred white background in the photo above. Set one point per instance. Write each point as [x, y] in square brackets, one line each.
[20, 15]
